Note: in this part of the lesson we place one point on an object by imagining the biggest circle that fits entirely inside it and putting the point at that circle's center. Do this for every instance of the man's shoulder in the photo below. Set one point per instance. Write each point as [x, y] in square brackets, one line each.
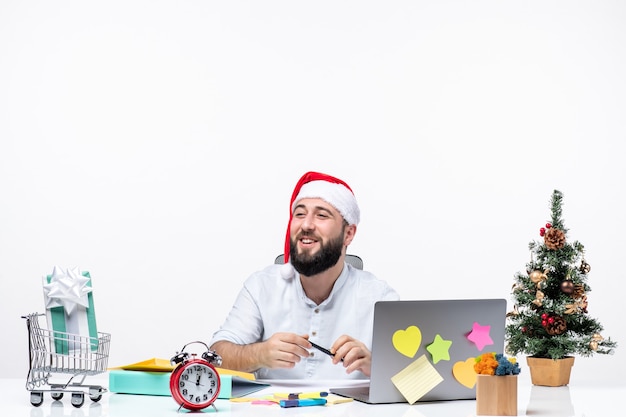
[366, 277]
[368, 284]
[362, 274]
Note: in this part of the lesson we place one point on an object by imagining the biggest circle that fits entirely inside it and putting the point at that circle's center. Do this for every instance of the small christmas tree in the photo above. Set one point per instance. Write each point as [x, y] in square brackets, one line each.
[550, 317]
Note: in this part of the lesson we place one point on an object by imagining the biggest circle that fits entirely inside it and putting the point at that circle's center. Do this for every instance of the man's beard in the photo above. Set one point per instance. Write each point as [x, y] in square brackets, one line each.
[325, 258]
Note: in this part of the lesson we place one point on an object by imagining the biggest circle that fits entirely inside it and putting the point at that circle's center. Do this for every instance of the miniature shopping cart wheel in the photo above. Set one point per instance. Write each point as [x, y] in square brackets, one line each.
[56, 395]
[36, 398]
[78, 398]
[95, 393]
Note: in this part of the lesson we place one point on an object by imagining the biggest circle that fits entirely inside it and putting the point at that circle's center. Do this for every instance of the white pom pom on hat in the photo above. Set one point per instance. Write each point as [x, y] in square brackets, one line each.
[287, 271]
[330, 189]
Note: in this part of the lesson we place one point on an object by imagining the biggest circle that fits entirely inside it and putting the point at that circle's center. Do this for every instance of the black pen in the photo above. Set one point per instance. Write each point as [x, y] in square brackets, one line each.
[321, 349]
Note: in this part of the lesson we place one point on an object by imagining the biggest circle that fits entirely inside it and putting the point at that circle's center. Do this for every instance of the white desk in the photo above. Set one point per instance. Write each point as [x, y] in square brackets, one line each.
[580, 401]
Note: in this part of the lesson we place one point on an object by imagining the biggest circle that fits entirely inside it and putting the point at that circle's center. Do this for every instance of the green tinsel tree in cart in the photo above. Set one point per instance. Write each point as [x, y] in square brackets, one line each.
[550, 318]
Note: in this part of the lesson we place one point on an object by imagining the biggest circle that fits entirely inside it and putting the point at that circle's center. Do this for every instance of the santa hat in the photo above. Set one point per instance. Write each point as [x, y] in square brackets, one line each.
[330, 189]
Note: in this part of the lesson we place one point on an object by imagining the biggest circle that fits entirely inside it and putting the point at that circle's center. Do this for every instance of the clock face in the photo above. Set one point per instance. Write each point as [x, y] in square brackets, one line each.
[195, 385]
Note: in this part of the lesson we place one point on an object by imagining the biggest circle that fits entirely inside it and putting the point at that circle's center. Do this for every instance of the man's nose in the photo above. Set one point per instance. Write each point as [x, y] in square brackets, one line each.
[308, 222]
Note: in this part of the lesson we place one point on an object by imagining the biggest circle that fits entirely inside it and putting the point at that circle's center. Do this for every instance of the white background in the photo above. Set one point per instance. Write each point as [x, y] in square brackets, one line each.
[156, 144]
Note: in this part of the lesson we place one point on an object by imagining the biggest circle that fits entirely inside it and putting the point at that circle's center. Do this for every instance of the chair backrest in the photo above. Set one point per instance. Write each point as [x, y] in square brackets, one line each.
[353, 260]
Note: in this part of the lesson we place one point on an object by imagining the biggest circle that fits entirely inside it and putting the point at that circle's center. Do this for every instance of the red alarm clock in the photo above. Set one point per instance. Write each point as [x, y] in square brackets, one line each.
[194, 382]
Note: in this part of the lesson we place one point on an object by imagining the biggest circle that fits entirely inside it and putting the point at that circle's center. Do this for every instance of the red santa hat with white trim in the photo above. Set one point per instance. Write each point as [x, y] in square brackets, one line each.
[330, 189]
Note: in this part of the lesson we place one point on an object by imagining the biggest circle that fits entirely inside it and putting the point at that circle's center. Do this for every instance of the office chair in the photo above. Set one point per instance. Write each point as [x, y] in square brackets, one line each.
[353, 260]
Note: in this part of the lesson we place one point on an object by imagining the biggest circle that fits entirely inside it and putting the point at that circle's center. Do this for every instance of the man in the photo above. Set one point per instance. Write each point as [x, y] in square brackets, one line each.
[316, 295]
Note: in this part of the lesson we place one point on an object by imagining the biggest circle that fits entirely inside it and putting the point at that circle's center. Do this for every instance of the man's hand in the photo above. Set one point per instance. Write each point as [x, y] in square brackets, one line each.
[356, 356]
[282, 350]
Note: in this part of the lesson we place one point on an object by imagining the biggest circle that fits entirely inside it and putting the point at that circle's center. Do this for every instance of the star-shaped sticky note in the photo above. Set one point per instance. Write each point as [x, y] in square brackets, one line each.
[480, 336]
[439, 349]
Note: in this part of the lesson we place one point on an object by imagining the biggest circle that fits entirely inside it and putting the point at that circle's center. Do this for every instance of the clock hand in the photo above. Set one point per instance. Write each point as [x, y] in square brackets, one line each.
[198, 380]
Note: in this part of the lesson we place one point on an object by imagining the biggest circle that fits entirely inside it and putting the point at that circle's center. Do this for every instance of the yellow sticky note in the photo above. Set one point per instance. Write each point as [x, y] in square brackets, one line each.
[336, 399]
[407, 341]
[416, 379]
[464, 372]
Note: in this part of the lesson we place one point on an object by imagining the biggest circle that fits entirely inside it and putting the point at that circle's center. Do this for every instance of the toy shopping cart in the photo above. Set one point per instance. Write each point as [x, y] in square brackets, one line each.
[52, 352]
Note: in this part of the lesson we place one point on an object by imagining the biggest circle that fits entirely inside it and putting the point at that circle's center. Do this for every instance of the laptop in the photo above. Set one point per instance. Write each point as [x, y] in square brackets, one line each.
[431, 345]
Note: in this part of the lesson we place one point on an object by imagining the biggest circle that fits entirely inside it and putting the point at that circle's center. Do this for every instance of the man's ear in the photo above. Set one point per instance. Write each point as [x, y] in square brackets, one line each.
[349, 233]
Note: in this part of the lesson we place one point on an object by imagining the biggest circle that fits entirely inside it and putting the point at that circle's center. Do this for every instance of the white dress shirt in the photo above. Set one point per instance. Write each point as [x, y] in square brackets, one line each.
[268, 304]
